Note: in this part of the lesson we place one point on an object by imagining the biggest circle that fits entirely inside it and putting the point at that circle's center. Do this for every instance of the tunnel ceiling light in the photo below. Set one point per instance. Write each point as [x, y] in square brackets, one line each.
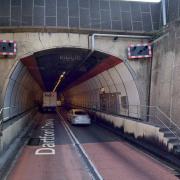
[154, 1]
[57, 84]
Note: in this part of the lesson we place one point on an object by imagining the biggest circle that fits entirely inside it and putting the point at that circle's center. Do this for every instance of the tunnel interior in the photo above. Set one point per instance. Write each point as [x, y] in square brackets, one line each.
[51, 64]
[93, 80]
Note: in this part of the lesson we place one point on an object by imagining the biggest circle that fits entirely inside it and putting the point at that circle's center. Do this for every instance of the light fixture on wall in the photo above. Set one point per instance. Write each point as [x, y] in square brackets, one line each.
[102, 90]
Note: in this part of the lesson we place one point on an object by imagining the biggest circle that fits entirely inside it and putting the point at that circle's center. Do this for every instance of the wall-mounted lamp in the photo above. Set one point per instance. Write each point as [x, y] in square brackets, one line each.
[102, 90]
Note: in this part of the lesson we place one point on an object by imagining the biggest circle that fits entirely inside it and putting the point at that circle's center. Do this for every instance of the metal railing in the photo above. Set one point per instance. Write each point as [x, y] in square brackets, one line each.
[167, 122]
[154, 115]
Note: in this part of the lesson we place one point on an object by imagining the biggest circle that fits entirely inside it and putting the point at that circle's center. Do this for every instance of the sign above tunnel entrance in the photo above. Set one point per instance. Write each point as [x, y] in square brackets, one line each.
[69, 58]
[137, 51]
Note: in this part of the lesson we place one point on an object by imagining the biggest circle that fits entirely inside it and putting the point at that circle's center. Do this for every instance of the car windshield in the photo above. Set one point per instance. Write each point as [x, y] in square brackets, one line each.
[80, 113]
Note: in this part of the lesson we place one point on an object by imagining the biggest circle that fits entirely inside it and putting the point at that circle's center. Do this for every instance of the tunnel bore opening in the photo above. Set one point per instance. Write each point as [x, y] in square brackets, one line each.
[47, 66]
[80, 66]
[93, 80]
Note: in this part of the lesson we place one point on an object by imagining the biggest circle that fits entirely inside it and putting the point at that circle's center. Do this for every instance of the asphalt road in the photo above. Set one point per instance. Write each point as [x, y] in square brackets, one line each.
[114, 158]
[49, 155]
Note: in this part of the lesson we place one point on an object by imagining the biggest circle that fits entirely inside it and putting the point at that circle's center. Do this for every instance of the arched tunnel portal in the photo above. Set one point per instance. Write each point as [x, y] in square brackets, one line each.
[91, 78]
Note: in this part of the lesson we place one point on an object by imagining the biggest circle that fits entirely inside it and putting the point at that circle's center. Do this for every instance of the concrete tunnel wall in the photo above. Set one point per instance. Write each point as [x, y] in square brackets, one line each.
[165, 81]
[21, 92]
[115, 80]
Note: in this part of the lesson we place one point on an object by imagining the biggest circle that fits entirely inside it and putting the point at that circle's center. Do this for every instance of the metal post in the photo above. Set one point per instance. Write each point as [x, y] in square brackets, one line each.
[164, 15]
[1, 129]
[1, 122]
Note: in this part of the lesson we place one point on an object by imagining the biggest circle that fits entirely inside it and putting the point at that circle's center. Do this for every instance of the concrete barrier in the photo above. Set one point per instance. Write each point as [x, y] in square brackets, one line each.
[138, 129]
[13, 139]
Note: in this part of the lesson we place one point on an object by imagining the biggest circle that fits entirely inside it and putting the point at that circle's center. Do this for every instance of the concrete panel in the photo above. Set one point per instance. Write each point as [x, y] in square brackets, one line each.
[103, 82]
[109, 81]
[137, 129]
[5, 8]
[38, 16]
[126, 17]
[16, 16]
[13, 98]
[92, 84]
[125, 74]
[100, 11]
[39, 3]
[18, 91]
[120, 88]
[50, 7]
[132, 93]
[165, 74]
[16, 72]
[146, 17]
[96, 80]
[15, 2]
[130, 86]
[8, 93]
[62, 17]
[117, 81]
[115, 10]
[10, 133]
[85, 18]
[7, 100]
[62, 3]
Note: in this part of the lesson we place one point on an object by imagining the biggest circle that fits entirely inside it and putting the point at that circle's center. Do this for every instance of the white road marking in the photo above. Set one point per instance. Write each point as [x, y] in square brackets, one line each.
[47, 139]
[73, 137]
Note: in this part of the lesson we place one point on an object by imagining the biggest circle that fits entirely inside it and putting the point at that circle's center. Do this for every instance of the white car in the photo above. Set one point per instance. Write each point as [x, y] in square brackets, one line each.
[79, 116]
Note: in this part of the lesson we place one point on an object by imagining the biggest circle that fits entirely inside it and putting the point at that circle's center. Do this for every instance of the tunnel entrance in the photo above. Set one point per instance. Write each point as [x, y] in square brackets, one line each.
[94, 80]
[65, 69]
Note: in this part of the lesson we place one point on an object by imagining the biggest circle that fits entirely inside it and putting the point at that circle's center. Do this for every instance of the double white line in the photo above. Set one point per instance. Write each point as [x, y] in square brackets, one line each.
[77, 143]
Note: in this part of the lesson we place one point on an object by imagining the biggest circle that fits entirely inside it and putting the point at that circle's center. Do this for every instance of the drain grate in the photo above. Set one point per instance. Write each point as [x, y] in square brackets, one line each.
[33, 142]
